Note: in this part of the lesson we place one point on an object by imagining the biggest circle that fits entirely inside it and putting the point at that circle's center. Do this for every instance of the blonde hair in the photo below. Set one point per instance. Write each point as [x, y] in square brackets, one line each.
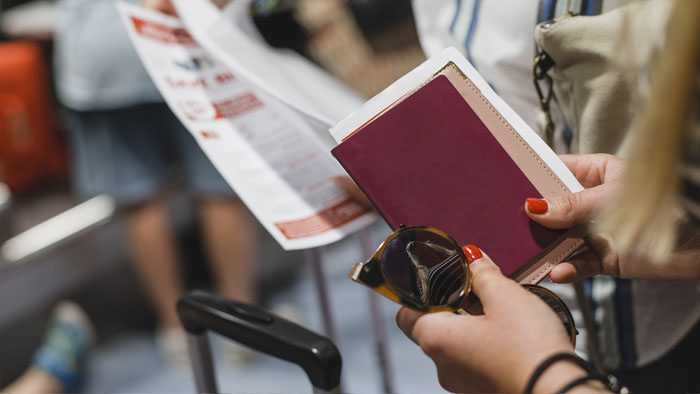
[643, 216]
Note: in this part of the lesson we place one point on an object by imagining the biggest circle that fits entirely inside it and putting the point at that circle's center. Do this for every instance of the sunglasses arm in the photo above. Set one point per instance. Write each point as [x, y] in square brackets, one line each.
[367, 273]
[355, 272]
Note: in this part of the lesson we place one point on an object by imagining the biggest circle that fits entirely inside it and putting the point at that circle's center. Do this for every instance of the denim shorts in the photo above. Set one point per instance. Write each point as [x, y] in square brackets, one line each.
[134, 153]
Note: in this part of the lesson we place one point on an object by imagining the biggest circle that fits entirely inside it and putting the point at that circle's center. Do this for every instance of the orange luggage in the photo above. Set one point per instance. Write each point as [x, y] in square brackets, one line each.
[30, 150]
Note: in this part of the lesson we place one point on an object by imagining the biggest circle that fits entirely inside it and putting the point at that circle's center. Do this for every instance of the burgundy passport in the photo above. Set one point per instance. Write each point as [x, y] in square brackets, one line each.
[430, 160]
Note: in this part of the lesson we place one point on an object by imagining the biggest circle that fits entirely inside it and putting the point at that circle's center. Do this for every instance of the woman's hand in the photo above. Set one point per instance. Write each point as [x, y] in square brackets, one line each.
[354, 191]
[167, 7]
[164, 6]
[496, 351]
[600, 175]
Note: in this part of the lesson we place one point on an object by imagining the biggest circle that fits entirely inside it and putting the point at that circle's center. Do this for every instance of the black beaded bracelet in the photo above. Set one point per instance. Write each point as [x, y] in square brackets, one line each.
[578, 381]
[610, 382]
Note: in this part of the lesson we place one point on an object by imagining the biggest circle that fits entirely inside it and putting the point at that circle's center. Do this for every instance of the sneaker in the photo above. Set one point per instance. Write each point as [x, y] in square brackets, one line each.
[172, 345]
[235, 354]
[66, 345]
[287, 311]
[238, 355]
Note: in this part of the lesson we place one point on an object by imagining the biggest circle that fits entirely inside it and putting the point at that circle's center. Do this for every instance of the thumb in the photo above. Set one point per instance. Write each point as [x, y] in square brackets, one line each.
[581, 266]
[164, 6]
[488, 283]
[567, 210]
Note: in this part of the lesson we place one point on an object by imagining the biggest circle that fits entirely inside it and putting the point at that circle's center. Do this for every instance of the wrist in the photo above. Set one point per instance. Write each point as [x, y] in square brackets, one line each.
[564, 372]
[560, 374]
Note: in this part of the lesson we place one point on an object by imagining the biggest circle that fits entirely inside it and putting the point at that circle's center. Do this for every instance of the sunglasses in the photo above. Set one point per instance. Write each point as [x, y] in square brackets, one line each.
[425, 269]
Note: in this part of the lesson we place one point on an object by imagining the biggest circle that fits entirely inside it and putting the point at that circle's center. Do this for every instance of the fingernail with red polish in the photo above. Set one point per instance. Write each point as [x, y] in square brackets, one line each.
[472, 252]
[537, 206]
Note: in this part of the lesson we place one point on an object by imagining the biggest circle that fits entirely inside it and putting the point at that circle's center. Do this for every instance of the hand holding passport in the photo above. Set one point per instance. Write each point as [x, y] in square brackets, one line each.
[440, 149]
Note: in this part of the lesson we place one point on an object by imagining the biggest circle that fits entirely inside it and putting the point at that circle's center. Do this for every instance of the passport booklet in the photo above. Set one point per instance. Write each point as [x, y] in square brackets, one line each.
[439, 148]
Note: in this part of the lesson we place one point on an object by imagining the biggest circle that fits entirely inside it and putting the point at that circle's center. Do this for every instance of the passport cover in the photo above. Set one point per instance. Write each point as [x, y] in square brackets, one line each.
[443, 157]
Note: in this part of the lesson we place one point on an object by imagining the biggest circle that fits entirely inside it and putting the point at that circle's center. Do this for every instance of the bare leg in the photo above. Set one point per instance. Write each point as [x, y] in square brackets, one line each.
[34, 381]
[230, 240]
[154, 258]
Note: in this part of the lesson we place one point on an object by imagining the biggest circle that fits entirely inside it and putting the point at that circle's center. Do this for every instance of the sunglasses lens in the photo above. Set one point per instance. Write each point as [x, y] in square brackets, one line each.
[425, 267]
[558, 307]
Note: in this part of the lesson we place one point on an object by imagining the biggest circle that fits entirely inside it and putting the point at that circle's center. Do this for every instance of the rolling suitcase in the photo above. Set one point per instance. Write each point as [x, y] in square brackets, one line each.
[260, 330]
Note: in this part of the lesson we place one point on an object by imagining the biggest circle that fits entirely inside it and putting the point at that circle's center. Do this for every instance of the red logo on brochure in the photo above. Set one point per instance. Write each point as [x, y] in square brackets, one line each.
[198, 110]
[323, 221]
[201, 110]
[237, 106]
[163, 33]
[212, 135]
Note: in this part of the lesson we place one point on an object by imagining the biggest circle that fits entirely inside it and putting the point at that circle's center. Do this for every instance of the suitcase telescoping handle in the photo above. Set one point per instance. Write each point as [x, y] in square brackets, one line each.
[260, 330]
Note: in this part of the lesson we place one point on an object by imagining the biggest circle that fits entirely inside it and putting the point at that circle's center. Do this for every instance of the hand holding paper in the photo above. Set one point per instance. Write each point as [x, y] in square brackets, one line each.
[164, 6]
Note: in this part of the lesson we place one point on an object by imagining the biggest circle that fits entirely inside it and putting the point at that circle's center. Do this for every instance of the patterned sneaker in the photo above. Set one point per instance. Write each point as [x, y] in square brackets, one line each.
[237, 355]
[172, 346]
[66, 345]
[234, 354]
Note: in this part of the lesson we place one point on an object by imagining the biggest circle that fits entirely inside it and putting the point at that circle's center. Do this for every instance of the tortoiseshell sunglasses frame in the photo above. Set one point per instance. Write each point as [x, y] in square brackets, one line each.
[369, 273]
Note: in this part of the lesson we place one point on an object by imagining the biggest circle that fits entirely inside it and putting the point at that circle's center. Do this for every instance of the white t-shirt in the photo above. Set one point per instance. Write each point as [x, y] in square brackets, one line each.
[96, 67]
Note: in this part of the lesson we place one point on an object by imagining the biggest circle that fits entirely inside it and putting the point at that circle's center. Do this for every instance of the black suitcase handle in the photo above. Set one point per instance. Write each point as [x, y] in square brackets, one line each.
[260, 330]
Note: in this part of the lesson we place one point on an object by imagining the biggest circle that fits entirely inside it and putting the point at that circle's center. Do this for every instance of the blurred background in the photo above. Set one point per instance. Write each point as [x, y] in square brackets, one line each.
[56, 245]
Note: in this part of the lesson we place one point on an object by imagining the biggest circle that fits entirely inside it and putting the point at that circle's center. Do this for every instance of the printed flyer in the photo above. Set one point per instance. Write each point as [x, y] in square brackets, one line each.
[265, 150]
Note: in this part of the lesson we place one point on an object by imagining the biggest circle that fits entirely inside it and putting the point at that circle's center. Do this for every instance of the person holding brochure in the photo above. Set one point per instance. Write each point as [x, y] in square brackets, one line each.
[646, 226]
[501, 350]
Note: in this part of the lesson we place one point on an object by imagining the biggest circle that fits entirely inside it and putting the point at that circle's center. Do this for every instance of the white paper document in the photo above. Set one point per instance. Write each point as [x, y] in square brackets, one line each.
[232, 37]
[268, 154]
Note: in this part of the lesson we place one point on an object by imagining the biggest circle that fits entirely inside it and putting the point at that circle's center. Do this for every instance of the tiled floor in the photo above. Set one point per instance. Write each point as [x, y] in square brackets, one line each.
[131, 364]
